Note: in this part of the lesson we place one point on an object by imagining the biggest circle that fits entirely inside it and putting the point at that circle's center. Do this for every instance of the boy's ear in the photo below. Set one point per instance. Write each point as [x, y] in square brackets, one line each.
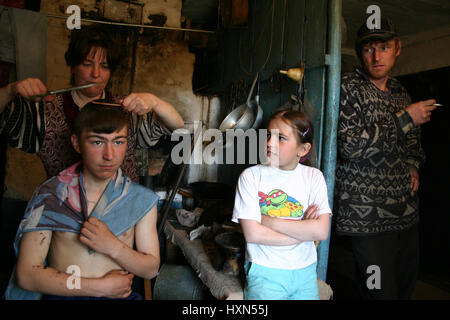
[75, 142]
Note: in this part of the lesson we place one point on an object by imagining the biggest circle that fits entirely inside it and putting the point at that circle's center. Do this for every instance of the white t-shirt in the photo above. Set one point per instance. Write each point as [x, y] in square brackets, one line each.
[285, 194]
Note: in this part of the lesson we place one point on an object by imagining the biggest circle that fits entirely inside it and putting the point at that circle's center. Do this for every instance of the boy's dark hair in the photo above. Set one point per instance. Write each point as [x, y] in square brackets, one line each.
[82, 40]
[302, 125]
[100, 119]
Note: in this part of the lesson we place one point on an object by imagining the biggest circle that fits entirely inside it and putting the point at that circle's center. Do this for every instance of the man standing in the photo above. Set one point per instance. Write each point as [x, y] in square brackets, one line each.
[379, 155]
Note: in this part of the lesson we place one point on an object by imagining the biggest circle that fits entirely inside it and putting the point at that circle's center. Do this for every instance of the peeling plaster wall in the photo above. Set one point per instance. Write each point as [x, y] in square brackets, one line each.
[170, 8]
[166, 70]
[23, 173]
[163, 67]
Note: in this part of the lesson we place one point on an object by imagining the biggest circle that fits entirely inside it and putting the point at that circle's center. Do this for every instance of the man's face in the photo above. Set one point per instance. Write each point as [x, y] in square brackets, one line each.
[102, 153]
[379, 57]
[94, 69]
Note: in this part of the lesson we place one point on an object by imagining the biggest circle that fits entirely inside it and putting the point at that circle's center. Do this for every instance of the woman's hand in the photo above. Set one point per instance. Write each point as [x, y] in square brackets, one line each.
[139, 103]
[143, 103]
[29, 87]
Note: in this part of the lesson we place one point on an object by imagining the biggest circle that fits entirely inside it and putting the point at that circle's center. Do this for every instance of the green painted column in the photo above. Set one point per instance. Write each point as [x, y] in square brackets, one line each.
[329, 146]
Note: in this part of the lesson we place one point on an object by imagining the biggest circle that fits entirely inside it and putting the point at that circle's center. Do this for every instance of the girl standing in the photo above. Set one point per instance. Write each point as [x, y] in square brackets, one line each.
[283, 208]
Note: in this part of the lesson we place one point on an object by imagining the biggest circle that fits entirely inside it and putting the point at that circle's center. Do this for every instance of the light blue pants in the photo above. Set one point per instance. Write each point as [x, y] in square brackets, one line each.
[263, 283]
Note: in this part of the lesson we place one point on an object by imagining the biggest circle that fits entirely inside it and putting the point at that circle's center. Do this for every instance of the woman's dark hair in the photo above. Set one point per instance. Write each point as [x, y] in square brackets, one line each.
[84, 39]
[301, 124]
[100, 119]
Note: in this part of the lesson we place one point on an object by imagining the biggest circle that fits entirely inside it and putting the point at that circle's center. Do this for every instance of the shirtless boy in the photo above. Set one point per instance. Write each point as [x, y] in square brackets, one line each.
[87, 219]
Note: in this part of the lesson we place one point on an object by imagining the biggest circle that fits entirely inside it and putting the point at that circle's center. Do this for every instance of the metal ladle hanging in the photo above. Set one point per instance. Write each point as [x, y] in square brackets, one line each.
[243, 117]
[257, 108]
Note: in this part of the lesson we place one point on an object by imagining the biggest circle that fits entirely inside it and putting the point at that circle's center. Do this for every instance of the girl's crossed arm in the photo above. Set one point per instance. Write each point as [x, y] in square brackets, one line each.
[302, 230]
[255, 232]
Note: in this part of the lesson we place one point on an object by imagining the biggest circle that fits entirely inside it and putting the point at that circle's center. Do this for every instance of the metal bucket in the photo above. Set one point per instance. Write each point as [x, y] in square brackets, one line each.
[178, 282]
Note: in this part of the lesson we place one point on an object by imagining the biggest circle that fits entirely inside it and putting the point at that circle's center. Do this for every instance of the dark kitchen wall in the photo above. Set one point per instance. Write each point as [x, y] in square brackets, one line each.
[435, 173]
[277, 35]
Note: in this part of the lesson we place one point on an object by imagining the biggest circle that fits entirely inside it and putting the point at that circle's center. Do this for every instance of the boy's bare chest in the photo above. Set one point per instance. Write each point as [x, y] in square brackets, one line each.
[66, 250]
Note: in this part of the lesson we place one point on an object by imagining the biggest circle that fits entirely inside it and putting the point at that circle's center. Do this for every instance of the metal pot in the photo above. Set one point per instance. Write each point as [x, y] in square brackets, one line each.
[240, 118]
[245, 116]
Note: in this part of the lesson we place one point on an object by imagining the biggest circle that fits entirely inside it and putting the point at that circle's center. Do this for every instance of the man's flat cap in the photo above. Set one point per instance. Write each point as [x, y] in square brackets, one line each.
[385, 32]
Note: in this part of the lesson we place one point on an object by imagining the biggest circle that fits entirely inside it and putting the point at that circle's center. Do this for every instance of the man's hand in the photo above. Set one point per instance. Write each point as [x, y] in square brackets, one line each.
[96, 235]
[117, 284]
[420, 112]
[414, 179]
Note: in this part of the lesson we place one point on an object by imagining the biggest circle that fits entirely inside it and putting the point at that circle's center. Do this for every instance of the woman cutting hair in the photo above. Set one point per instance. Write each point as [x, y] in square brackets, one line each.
[43, 125]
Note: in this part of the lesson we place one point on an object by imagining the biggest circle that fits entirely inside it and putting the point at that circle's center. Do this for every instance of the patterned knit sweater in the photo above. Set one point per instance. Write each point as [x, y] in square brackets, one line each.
[377, 144]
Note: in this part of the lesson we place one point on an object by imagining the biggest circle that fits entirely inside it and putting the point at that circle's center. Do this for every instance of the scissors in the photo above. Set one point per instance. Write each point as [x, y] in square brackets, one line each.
[48, 93]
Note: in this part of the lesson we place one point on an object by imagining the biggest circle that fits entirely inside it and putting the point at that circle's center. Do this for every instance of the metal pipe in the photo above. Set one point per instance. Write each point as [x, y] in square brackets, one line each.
[133, 25]
[329, 146]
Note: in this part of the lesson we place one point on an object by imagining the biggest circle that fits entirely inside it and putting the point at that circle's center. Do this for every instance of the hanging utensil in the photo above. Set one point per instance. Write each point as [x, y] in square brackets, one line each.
[257, 108]
[253, 87]
[243, 117]
[294, 73]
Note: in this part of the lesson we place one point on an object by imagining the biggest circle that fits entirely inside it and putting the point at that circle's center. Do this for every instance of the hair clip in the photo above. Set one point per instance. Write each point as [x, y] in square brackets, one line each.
[304, 133]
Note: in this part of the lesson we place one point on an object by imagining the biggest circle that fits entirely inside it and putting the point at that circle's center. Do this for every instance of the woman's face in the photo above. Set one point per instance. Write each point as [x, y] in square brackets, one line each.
[94, 69]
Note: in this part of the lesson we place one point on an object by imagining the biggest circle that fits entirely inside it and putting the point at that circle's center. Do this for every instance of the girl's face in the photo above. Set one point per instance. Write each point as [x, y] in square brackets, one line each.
[283, 149]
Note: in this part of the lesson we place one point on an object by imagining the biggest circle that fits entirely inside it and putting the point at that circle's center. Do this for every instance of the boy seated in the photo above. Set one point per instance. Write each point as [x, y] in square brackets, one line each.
[77, 236]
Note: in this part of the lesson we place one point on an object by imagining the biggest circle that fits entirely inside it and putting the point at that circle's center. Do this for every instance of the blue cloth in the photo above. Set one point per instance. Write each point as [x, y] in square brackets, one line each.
[264, 283]
[60, 204]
